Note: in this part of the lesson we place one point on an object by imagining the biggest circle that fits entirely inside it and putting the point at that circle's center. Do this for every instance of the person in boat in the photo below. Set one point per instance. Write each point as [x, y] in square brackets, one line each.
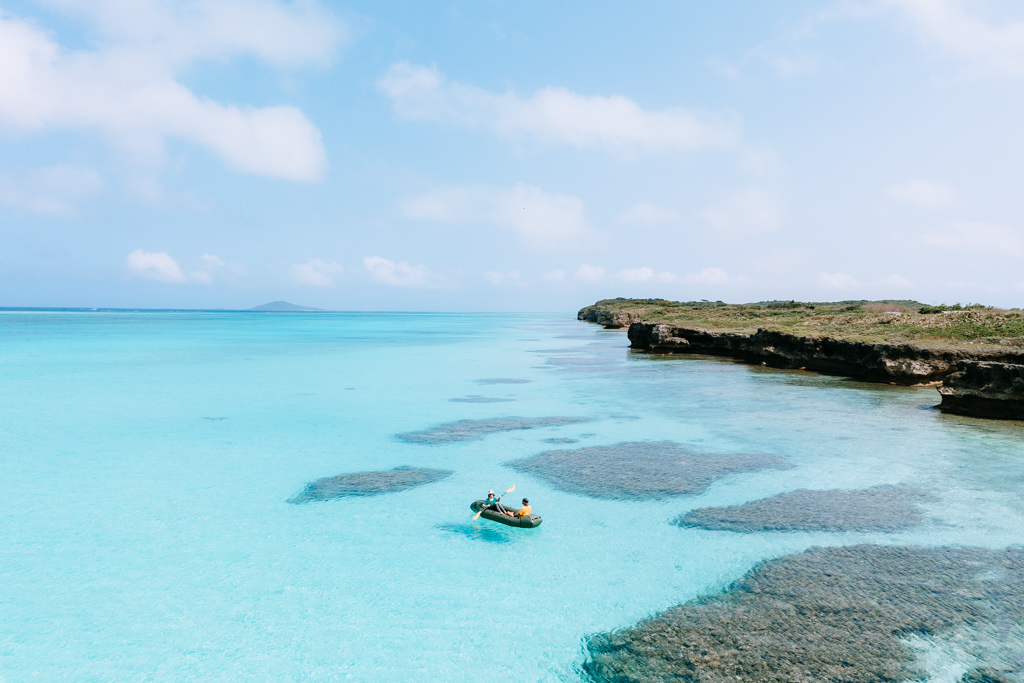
[493, 503]
[523, 511]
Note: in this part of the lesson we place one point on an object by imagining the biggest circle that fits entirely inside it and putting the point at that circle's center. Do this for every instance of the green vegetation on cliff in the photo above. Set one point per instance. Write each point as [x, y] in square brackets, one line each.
[870, 321]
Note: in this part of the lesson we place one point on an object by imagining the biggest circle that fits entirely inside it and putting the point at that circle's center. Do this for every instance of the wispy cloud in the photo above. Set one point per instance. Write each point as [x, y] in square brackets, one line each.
[544, 221]
[510, 278]
[315, 273]
[752, 210]
[589, 273]
[53, 190]
[649, 214]
[128, 90]
[710, 276]
[994, 239]
[923, 193]
[991, 46]
[554, 115]
[401, 274]
[644, 274]
[161, 266]
[842, 281]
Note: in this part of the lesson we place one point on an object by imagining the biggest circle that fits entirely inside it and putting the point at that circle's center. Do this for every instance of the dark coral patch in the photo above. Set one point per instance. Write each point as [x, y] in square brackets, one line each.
[643, 470]
[880, 508]
[502, 380]
[560, 440]
[368, 483]
[827, 614]
[472, 430]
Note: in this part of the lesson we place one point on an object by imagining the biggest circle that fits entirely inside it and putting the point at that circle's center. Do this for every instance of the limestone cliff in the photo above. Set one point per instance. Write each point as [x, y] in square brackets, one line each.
[981, 383]
[984, 389]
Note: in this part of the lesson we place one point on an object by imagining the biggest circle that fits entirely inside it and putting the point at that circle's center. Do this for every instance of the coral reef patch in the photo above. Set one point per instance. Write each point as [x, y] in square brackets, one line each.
[829, 614]
[880, 508]
[370, 483]
[473, 430]
[639, 470]
[502, 380]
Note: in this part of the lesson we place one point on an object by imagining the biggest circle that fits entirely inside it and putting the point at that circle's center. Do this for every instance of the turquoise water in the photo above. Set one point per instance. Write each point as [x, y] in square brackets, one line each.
[145, 460]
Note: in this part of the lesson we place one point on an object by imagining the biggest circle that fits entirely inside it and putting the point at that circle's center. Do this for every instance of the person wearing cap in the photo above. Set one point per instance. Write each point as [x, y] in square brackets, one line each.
[523, 511]
[494, 503]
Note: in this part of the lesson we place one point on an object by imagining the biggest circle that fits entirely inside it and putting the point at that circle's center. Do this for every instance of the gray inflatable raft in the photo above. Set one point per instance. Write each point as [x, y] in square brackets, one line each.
[527, 522]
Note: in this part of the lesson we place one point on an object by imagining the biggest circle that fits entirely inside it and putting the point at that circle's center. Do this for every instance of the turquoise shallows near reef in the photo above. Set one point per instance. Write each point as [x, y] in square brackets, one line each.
[146, 460]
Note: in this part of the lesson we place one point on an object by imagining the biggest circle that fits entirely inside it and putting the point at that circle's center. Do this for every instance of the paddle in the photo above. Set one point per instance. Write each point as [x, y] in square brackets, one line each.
[477, 515]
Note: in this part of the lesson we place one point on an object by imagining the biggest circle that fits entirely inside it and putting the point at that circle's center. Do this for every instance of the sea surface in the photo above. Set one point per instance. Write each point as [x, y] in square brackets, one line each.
[146, 459]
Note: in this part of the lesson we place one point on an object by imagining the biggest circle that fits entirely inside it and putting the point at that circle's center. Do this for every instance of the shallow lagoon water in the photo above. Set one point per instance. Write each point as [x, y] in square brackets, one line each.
[145, 461]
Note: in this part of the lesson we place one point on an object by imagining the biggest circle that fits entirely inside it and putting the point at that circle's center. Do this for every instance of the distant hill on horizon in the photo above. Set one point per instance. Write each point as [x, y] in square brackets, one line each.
[284, 307]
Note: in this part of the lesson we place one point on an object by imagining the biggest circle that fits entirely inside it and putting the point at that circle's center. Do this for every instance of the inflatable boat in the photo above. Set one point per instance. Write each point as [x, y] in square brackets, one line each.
[527, 522]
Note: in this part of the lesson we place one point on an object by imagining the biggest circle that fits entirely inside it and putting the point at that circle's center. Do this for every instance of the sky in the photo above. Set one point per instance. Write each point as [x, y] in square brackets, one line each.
[492, 155]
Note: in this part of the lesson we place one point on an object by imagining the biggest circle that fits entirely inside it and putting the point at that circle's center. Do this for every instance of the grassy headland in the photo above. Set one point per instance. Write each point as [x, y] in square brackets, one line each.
[900, 321]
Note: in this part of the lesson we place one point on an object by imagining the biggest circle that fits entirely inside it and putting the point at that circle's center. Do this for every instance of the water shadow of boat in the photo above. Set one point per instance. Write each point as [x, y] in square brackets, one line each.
[478, 532]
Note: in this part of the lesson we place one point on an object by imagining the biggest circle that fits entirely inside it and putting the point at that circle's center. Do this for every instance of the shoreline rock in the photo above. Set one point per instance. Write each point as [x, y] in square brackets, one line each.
[982, 383]
[984, 389]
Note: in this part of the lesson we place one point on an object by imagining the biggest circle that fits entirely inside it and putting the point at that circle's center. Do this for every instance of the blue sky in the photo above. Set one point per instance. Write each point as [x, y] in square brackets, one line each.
[509, 155]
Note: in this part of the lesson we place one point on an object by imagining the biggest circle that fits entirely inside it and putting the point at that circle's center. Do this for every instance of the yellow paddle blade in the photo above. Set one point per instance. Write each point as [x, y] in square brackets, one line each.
[511, 489]
[477, 515]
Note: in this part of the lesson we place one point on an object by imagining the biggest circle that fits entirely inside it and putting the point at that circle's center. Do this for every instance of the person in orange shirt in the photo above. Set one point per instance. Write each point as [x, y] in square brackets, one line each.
[523, 511]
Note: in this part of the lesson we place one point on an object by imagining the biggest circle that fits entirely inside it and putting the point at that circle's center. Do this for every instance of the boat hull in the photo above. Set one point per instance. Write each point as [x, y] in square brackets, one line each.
[527, 522]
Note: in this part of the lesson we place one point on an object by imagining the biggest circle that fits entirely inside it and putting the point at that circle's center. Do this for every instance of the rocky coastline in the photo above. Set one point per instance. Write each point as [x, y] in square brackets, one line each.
[978, 383]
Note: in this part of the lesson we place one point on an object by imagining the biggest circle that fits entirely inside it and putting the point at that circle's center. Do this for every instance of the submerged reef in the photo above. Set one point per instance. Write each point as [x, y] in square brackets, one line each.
[368, 483]
[472, 430]
[502, 380]
[856, 614]
[641, 470]
[880, 508]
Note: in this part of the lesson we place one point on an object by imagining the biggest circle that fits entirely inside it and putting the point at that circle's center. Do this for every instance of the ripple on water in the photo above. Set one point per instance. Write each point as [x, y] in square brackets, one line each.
[368, 483]
[480, 399]
[853, 611]
[473, 430]
[502, 380]
[880, 508]
[639, 470]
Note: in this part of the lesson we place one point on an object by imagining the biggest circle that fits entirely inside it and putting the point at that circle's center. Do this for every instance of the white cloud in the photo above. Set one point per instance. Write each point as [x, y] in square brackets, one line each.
[793, 67]
[922, 193]
[947, 24]
[752, 210]
[161, 266]
[544, 221]
[315, 273]
[643, 275]
[709, 276]
[508, 278]
[839, 280]
[648, 214]
[53, 190]
[896, 280]
[126, 88]
[589, 273]
[400, 274]
[155, 265]
[992, 238]
[553, 115]
[556, 275]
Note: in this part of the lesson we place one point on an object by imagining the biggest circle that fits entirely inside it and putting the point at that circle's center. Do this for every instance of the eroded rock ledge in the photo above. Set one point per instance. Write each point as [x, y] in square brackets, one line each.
[984, 389]
[873, 362]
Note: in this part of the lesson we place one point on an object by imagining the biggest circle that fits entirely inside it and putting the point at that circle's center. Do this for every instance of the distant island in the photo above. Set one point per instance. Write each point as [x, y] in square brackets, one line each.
[285, 307]
[974, 354]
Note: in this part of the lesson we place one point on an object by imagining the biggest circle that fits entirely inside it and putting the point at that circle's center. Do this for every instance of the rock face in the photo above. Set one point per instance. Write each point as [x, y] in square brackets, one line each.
[834, 614]
[879, 508]
[643, 470]
[606, 318]
[368, 483]
[874, 362]
[984, 389]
